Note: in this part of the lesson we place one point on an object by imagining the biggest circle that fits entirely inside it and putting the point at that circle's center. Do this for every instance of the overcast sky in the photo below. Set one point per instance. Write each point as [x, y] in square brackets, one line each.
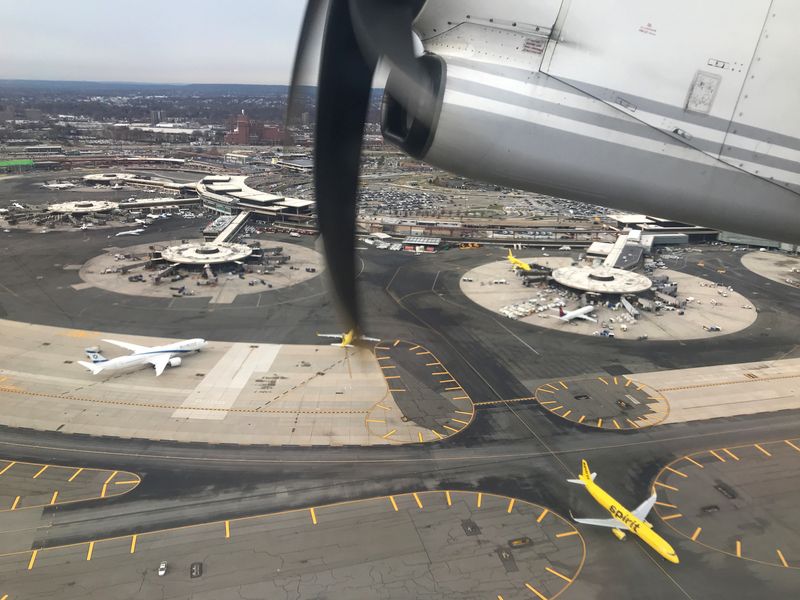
[179, 41]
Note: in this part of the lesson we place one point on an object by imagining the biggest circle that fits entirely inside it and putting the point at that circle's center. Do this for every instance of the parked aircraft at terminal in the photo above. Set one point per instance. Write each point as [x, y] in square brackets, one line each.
[130, 232]
[579, 313]
[517, 262]
[158, 356]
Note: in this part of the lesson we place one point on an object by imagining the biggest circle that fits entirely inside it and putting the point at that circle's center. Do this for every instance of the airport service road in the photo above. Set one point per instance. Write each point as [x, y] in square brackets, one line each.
[443, 544]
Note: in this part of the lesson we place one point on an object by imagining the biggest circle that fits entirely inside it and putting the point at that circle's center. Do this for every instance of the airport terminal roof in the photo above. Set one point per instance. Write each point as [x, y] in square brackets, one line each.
[296, 203]
[601, 280]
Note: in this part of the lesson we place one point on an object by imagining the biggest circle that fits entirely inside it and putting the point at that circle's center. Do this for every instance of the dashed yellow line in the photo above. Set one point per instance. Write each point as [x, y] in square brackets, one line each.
[583, 417]
[392, 432]
[227, 530]
[599, 422]
[632, 422]
[694, 462]
[460, 421]
[424, 353]
[696, 534]
[396, 390]
[762, 450]
[414, 348]
[563, 385]
[462, 398]
[566, 533]
[462, 412]
[451, 429]
[719, 383]
[555, 408]
[90, 551]
[669, 517]
[665, 504]
[384, 367]
[480, 499]
[544, 390]
[16, 503]
[437, 434]
[441, 373]
[614, 421]
[40, 471]
[510, 505]
[566, 414]
[664, 485]
[447, 495]
[782, 559]
[7, 467]
[419, 433]
[313, 515]
[383, 407]
[787, 441]
[432, 364]
[391, 376]
[75, 474]
[542, 515]
[557, 574]
[416, 499]
[394, 503]
[671, 470]
[453, 389]
[395, 343]
[127, 482]
[603, 380]
[615, 381]
[133, 543]
[32, 561]
[731, 454]
[383, 357]
[536, 592]
[375, 421]
[738, 548]
[54, 497]
[717, 456]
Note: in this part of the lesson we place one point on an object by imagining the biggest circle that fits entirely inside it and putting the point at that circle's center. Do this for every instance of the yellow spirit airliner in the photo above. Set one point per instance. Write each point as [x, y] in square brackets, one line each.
[348, 338]
[517, 262]
[623, 519]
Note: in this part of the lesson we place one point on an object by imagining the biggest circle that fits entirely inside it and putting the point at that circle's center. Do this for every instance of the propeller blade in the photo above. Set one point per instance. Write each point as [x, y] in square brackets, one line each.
[344, 87]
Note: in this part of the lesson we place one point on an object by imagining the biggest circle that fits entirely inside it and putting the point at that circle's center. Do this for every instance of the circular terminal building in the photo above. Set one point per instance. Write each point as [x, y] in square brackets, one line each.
[601, 280]
[83, 207]
[206, 253]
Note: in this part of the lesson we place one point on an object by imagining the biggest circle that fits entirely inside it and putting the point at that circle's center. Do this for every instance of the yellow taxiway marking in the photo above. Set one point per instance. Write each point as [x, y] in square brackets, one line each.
[419, 433]
[110, 477]
[16, 502]
[463, 412]
[615, 381]
[583, 417]
[381, 347]
[375, 421]
[5, 597]
[603, 380]
[628, 382]
[566, 414]
[90, 551]
[396, 390]
[395, 343]
[716, 455]
[462, 422]
[449, 500]
[566, 533]
[599, 422]
[414, 348]
[433, 364]
[7, 467]
[104, 490]
[388, 367]
[564, 385]
[441, 373]
[782, 559]
[227, 530]
[671, 470]
[787, 441]
[632, 423]
[313, 515]
[75, 474]
[557, 407]
[126, 482]
[696, 533]
[664, 485]
[640, 388]
[391, 376]
[383, 407]
[451, 429]
[557, 574]
[499, 597]
[665, 504]
[668, 517]
[462, 398]
[54, 497]
[32, 561]
[133, 543]
[731, 454]
[423, 353]
[453, 389]
[393, 431]
[437, 434]
[416, 499]
[40, 471]
[394, 503]
[535, 591]
[510, 505]
[542, 515]
[480, 499]
[614, 421]
[544, 390]
[548, 401]
[552, 387]
[694, 462]
[762, 450]
[383, 357]
[447, 381]
[738, 548]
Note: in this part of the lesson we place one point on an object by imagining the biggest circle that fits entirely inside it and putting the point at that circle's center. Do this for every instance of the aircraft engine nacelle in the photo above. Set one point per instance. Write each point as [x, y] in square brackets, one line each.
[619, 534]
[175, 361]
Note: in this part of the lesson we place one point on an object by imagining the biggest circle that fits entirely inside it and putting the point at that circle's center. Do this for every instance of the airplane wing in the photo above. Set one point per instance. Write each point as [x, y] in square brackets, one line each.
[127, 345]
[368, 339]
[336, 336]
[613, 523]
[641, 511]
[160, 362]
[587, 318]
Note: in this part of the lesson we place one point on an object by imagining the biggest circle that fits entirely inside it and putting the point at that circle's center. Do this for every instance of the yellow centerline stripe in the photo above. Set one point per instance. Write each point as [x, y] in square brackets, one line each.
[127, 482]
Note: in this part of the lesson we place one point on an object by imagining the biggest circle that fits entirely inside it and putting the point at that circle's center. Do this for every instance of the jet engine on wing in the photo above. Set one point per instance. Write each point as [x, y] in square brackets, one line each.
[175, 361]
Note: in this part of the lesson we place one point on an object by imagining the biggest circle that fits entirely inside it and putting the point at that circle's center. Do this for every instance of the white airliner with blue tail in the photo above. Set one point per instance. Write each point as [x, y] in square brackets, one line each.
[158, 356]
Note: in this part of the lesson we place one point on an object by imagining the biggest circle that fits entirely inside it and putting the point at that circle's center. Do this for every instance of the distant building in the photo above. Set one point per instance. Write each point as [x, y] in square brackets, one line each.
[250, 132]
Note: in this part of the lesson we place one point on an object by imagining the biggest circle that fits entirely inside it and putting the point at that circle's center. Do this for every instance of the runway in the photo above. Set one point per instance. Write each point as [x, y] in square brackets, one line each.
[516, 450]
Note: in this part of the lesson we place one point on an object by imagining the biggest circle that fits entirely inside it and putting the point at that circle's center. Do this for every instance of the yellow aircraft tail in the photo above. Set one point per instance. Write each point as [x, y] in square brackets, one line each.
[586, 475]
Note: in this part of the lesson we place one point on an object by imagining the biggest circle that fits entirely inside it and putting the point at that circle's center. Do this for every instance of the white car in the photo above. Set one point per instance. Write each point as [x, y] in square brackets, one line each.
[162, 568]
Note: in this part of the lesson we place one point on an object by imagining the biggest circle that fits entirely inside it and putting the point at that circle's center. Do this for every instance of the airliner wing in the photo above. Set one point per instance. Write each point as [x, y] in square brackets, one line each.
[160, 362]
[368, 339]
[587, 317]
[336, 336]
[641, 511]
[613, 523]
[128, 345]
